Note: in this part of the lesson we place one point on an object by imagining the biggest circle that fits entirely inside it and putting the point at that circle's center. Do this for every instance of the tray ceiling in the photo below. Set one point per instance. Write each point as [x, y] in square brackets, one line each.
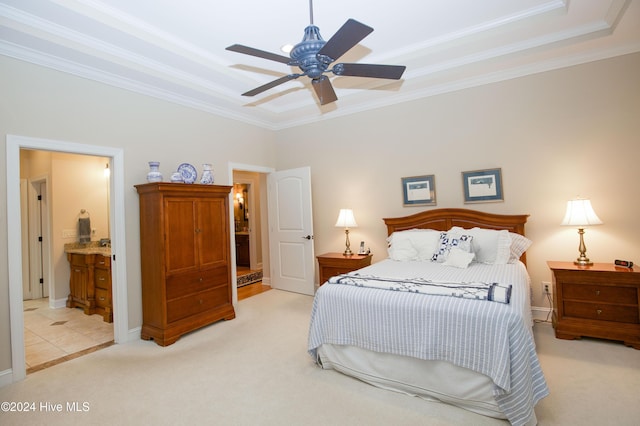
[176, 50]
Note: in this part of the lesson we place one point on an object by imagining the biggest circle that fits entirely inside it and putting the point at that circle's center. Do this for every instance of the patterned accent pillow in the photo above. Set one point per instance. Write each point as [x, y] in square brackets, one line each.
[449, 241]
[519, 245]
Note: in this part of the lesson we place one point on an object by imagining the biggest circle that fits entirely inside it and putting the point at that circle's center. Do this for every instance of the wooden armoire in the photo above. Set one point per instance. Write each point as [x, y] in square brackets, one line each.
[185, 258]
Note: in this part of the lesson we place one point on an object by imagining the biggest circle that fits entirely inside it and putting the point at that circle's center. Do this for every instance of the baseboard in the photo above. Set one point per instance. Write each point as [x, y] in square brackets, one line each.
[6, 377]
[541, 313]
[57, 303]
[133, 335]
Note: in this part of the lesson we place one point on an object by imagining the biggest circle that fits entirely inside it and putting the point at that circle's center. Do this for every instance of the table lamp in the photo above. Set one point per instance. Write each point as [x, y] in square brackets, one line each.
[580, 214]
[346, 220]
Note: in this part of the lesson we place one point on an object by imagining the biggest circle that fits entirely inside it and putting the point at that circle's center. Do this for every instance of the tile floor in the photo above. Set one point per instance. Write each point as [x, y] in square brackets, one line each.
[56, 334]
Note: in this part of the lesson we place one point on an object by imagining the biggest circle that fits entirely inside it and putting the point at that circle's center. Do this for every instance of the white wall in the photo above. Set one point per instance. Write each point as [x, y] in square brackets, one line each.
[38, 102]
[555, 135]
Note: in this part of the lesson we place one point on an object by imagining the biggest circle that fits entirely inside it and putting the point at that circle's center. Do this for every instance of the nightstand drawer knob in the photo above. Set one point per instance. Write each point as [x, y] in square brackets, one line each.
[599, 311]
[597, 292]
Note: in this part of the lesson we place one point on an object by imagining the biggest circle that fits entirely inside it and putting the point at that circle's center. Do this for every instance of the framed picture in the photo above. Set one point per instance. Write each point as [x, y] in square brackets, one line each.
[419, 190]
[482, 186]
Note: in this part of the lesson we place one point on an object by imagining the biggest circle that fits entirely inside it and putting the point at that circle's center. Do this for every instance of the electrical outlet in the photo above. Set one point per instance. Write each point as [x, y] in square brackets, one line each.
[546, 288]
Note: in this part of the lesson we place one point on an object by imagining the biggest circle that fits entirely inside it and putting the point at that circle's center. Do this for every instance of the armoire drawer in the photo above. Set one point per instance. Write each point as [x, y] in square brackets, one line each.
[196, 303]
[193, 282]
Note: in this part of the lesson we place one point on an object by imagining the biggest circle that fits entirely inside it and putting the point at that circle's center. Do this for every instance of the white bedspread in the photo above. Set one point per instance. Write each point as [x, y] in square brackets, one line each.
[494, 339]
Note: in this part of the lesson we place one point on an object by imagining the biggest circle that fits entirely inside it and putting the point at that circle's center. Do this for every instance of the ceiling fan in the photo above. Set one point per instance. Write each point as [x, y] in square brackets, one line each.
[313, 56]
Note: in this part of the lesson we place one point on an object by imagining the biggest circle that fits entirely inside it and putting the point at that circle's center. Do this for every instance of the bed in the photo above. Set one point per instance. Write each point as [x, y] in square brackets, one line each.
[407, 324]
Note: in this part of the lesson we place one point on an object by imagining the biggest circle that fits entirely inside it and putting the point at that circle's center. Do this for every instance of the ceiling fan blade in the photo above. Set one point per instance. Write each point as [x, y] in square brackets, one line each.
[259, 53]
[324, 90]
[345, 38]
[393, 72]
[268, 86]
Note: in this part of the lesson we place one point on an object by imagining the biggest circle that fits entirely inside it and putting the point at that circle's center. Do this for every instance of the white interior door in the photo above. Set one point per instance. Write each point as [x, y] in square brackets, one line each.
[291, 230]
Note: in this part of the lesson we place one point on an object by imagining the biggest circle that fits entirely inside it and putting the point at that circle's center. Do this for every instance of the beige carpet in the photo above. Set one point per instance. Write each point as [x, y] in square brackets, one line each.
[254, 370]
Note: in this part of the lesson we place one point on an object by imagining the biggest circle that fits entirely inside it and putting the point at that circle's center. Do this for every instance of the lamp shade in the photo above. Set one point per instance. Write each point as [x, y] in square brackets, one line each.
[580, 213]
[346, 219]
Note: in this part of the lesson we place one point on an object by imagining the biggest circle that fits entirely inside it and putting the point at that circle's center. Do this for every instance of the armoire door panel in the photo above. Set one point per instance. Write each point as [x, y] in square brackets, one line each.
[212, 232]
[181, 237]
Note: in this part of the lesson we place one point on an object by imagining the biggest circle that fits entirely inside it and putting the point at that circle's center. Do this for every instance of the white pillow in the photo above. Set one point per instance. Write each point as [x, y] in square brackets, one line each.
[401, 248]
[491, 246]
[459, 258]
[413, 244]
[448, 242]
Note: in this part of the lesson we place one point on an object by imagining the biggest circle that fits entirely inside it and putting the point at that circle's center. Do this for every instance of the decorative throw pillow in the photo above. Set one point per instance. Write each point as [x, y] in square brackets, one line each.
[449, 241]
[519, 244]
[459, 258]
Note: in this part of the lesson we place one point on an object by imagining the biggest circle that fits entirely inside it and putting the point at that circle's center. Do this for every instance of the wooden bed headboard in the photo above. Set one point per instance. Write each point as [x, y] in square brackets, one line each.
[444, 219]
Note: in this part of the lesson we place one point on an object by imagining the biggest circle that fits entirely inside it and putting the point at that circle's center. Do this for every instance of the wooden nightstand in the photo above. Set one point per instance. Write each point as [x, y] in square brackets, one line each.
[332, 264]
[601, 300]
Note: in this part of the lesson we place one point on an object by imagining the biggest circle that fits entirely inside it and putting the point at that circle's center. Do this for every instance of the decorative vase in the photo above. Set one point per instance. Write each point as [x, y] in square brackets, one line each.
[154, 174]
[207, 175]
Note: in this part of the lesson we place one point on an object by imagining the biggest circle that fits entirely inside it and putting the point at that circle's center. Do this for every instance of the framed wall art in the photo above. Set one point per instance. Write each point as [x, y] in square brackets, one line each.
[482, 186]
[419, 190]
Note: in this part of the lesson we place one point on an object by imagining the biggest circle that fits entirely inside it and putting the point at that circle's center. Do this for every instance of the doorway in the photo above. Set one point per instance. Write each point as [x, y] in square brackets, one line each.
[116, 224]
[55, 330]
[254, 177]
[247, 226]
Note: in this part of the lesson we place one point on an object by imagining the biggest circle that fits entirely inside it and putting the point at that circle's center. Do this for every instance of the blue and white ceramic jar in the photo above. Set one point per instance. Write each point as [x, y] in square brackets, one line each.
[154, 174]
[207, 175]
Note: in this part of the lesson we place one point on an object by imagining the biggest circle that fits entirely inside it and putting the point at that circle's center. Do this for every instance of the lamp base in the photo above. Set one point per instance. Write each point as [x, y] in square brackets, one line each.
[347, 250]
[582, 260]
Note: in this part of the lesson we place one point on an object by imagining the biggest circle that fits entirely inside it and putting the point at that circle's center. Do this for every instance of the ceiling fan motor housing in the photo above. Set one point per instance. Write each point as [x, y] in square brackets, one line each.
[305, 54]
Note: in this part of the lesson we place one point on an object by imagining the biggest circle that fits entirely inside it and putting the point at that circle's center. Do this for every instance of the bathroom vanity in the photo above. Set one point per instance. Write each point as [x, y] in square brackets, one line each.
[90, 280]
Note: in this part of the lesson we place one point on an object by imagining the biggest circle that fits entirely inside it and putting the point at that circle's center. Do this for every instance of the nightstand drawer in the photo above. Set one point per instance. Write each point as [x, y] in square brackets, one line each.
[329, 271]
[600, 293]
[601, 312]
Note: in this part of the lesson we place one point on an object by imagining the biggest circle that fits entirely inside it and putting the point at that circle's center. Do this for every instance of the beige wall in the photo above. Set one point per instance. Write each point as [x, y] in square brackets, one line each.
[77, 182]
[41, 103]
[555, 135]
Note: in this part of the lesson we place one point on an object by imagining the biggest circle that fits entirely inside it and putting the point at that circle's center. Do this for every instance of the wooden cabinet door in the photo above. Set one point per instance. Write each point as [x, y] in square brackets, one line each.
[78, 283]
[211, 232]
[180, 235]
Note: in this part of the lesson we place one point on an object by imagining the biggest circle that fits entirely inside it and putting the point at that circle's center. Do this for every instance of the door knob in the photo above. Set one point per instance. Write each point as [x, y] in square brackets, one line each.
[308, 237]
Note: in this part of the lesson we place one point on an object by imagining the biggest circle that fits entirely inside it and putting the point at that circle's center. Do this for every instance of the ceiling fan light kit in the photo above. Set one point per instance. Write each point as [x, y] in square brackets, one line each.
[313, 56]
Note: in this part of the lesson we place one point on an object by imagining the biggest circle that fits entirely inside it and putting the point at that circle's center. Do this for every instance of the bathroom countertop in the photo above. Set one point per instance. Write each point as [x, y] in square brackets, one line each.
[77, 248]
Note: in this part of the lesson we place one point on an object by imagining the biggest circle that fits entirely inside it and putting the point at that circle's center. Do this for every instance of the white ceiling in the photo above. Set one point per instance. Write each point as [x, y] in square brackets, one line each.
[175, 50]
